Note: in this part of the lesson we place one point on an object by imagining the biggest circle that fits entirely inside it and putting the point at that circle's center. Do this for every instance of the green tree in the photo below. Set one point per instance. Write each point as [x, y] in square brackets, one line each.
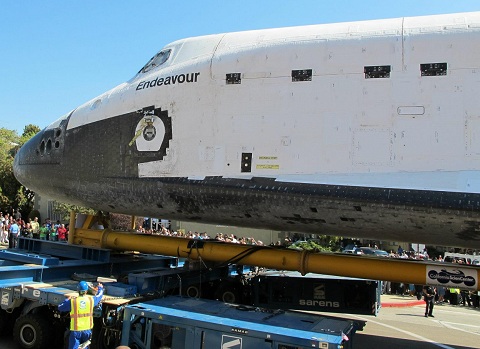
[114, 221]
[9, 142]
[64, 210]
[123, 222]
[12, 193]
[324, 243]
[28, 132]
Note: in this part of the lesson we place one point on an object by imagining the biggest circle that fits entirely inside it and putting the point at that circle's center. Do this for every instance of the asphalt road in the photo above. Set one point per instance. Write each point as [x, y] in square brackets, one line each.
[455, 327]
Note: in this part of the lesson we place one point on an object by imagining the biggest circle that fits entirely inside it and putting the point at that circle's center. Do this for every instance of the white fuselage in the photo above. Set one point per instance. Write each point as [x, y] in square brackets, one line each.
[403, 131]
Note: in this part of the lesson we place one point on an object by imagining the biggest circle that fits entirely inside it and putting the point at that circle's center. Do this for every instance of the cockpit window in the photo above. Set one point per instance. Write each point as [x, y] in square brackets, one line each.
[156, 61]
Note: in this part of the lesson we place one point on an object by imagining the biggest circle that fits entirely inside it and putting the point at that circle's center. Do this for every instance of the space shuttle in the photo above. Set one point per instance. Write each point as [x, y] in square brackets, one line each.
[363, 129]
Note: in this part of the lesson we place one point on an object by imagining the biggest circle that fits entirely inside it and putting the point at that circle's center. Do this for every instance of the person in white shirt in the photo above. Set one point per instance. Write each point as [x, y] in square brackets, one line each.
[3, 232]
[1, 228]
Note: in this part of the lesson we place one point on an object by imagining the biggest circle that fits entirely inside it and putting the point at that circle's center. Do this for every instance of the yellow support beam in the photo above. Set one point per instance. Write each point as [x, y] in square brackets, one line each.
[133, 223]
[71, 228]
[375, 268]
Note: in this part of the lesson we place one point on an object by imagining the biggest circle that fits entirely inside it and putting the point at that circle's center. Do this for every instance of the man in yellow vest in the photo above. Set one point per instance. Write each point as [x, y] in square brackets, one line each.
[81, 314]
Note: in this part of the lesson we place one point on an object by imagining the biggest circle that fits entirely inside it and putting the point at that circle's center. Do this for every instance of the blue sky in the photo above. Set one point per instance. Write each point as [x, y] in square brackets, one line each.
[57, 54]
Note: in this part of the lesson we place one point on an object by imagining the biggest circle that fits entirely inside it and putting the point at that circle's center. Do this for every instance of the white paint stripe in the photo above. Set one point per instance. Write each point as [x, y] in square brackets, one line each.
[443, 310]
[408, 333]
[457, 323]
[451, 326]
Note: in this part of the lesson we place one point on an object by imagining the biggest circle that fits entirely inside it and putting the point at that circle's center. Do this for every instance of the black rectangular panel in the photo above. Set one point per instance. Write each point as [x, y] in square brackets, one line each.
[302, 75]
[377, 72]
[233, 78]
[246, 162]
[433, 69]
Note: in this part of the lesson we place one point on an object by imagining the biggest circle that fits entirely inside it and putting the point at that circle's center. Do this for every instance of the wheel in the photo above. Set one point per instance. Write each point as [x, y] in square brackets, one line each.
[228, 293]
[230, 296]
[6, 322]
[3, 322]
[193, 292]
[7, 319]
[32, 331]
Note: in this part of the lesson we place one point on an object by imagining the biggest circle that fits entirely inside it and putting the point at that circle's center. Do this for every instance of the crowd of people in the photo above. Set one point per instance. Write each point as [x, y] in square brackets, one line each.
[417, 255]
[436, 295]
[431, 295]
[232, 238]
[12, 226]
[440, 295]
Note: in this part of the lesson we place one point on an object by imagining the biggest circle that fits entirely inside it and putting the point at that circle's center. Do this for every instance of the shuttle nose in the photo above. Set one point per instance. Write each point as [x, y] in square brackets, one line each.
[18, 170]
[27, 166]
[37, 164]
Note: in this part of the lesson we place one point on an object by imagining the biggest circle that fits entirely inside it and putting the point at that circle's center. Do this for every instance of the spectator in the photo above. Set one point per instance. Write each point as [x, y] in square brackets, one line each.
[53, 233]
[441, 294]
[453, 296]
[429, 298]
[3, 236]
[43, 232]
[62, 232]
[17, 215]
[27, 230]
[6, 225]
[35, 228]
[465, 298]
[14, 230]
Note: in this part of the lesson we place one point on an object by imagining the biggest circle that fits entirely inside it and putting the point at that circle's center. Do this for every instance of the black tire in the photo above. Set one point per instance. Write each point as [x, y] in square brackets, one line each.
[193, 291]
[230, 296]
[32, 331]
[7, 319]
[228, 293]
[5, 323]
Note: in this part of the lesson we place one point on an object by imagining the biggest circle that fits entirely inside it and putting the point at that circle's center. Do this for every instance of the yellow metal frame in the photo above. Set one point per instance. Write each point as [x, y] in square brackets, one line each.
[375, 268]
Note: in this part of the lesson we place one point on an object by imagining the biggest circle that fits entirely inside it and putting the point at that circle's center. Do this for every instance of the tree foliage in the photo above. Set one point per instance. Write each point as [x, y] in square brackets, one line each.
[12, 194]
[28, 132]
[64, 210]
[123, 222]
[323, 243]
[114, 221]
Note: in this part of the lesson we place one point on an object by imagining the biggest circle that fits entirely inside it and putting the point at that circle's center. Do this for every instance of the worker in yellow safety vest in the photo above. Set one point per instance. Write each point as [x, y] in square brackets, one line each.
[81, 314]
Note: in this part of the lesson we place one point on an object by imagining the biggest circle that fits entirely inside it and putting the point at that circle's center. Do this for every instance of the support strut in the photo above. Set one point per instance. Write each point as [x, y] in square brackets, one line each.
[375, 268]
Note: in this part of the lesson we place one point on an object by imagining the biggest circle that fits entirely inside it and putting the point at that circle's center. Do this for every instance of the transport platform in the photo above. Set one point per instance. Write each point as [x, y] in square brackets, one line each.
[404, 326]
